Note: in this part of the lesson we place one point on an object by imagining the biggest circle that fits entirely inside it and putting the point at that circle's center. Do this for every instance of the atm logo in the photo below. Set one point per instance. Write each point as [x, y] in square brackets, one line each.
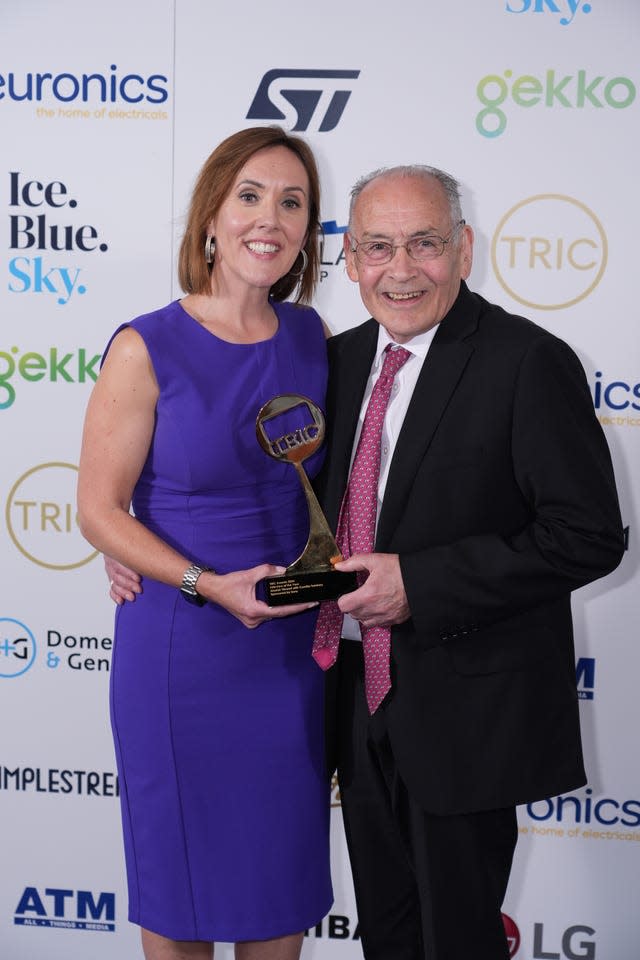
[303, 99]
[66, 909]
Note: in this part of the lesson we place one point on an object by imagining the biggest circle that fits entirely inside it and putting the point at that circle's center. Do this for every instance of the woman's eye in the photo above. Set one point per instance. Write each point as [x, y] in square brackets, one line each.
[248, 195]
[292, 203]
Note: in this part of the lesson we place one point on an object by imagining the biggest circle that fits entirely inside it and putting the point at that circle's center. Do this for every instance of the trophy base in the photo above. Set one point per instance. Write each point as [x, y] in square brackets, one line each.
[306, 587]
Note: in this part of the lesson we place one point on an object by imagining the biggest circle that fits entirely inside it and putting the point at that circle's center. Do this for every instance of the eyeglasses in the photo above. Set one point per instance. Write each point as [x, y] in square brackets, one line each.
[428, 246]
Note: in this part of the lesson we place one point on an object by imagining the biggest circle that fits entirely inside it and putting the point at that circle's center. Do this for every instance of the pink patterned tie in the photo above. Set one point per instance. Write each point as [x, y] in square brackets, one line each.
[356, 534]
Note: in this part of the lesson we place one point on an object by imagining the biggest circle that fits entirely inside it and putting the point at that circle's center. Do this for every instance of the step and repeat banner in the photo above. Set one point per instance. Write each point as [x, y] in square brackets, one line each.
[106, 115]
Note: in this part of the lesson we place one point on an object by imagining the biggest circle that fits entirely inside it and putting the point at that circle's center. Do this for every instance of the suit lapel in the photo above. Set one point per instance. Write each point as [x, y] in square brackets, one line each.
[441, 372]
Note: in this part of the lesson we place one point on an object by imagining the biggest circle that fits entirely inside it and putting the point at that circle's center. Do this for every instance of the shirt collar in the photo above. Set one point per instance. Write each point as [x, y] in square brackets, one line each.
[418, 345]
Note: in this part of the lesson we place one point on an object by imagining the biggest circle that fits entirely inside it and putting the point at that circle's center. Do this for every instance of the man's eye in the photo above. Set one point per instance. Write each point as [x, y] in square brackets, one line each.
[425, 243]
[376, 246]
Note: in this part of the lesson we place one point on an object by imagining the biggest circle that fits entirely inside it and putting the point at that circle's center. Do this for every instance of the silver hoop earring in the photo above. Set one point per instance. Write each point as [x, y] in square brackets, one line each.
[305, 264]
[209, 249]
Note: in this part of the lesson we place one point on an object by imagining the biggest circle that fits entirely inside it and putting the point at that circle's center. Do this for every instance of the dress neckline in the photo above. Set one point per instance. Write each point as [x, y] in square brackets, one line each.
[234, 343]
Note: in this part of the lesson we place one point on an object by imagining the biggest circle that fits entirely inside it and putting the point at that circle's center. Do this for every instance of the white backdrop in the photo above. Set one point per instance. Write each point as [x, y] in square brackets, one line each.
[533, 106]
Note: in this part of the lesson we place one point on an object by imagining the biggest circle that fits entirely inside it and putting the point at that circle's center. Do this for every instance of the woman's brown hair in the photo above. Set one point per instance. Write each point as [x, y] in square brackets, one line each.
[212, 187]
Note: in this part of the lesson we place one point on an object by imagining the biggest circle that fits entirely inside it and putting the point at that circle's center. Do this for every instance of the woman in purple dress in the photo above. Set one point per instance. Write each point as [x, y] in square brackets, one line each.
[216, 703]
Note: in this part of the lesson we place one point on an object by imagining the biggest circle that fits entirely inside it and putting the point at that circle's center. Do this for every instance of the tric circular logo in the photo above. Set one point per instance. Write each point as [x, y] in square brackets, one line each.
[41, 517]
[549, 251]
[17, 648]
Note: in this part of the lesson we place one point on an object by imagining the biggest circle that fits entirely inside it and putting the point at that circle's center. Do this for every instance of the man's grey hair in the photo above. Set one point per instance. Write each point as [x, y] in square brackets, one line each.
[450, 186]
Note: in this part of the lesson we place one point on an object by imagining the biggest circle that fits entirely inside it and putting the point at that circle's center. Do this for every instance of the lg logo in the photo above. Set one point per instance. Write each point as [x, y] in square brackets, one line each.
[576, 942]
[299, 96]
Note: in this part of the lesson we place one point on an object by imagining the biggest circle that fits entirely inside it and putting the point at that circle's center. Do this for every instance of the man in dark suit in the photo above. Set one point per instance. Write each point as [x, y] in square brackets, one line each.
[496, 499]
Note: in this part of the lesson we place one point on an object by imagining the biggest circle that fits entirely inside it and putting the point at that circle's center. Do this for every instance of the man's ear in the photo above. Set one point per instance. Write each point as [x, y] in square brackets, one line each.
[350, 258]
[466, 251]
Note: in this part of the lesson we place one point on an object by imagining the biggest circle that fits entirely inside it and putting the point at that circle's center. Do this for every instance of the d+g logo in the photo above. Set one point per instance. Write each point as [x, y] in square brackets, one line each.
[297, 96]
[17, 648]
[549, 251]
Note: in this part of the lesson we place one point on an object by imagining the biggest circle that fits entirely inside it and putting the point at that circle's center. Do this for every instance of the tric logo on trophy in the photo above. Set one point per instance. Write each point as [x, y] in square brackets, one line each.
[312, 576]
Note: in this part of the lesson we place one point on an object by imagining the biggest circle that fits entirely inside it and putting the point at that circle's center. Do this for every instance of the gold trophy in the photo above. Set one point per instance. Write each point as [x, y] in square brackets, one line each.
[312, 576]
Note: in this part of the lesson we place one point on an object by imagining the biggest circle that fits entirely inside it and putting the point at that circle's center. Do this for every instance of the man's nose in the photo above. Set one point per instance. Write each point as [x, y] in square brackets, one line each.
[401, 263]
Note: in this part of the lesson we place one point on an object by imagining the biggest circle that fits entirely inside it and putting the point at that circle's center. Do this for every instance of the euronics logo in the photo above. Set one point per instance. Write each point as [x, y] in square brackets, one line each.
[586, 809]
[299, 96]
[66, 909]
[66, 87]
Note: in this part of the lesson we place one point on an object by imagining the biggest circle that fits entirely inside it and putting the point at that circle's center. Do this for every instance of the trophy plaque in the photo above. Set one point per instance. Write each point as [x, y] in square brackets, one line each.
[312, 576]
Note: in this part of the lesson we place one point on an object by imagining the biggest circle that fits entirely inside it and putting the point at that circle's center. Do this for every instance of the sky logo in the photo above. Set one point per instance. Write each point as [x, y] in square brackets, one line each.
[568, 7]
[299, 96]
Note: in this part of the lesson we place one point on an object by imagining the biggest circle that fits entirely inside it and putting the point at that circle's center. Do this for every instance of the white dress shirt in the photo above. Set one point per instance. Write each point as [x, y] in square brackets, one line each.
[401, 393]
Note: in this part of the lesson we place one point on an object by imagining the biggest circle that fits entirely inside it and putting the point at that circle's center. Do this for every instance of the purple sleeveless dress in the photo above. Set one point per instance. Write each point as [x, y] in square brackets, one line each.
[219, 729]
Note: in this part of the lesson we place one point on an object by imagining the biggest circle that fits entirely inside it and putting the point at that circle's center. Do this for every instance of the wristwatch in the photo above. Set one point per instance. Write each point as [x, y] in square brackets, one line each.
[188, 585]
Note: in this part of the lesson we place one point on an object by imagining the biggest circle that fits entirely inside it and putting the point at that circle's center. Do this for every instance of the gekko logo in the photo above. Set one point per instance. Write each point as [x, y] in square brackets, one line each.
[297, 96]
[67, 909]
[568, 8]
[586, 678]
[32, 232]
[56, 365]
[17, 648]
[512, 934]
[549, 251]
[551, 90]
[68, 87]
[41, 517]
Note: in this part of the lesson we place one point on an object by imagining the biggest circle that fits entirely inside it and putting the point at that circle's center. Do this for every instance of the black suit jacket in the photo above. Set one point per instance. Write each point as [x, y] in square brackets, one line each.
[500, 501]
